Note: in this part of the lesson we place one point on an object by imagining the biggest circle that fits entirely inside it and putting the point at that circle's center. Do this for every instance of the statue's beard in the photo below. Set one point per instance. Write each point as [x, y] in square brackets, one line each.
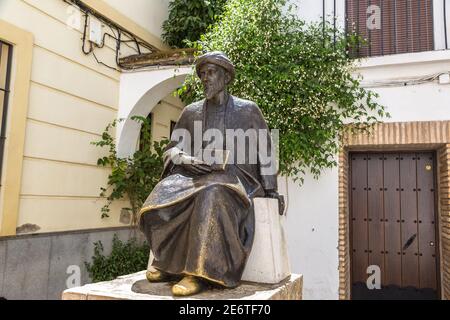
[212, 90]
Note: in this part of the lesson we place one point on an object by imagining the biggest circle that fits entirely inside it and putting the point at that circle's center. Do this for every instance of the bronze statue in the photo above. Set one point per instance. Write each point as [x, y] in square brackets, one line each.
[199, 220]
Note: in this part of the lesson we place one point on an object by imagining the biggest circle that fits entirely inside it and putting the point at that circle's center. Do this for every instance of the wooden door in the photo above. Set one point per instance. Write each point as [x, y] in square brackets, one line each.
[392, 204]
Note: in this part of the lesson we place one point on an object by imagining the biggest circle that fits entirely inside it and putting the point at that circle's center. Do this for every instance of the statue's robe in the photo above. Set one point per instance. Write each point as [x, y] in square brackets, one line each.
[203, 225]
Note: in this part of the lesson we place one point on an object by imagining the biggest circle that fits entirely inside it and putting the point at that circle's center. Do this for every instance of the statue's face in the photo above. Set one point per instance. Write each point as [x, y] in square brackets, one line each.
[214, 79]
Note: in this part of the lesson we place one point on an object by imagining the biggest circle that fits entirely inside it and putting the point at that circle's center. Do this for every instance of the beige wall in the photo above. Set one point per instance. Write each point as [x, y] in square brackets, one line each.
[18, 105]
[168, 110]
[71, 100]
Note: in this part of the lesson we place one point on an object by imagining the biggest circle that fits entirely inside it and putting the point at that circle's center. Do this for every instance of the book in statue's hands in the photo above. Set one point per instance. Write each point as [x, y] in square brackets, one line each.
[217, 159]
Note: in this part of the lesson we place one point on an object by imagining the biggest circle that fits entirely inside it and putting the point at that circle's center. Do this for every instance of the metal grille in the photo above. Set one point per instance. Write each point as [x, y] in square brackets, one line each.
[5, 73]
[390, 26]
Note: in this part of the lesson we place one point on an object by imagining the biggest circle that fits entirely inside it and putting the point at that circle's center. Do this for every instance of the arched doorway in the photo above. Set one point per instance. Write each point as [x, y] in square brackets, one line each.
[140, 93]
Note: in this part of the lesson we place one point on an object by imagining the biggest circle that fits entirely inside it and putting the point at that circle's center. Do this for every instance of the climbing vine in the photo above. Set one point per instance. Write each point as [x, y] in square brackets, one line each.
[133, 177]
[189, 19]
[300, 75]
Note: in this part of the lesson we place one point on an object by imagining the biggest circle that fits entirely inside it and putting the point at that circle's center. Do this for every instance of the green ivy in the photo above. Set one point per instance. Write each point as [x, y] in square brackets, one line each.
[300, 75]
[133, 177]
[125, 258]
[188, 19]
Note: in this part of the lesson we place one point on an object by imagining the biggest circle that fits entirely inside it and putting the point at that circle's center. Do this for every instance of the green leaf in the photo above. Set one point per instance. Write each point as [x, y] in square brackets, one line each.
[124, 258]
[300, 79]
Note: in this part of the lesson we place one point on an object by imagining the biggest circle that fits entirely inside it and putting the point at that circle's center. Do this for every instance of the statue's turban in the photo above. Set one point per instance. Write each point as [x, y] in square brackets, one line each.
[217, 58]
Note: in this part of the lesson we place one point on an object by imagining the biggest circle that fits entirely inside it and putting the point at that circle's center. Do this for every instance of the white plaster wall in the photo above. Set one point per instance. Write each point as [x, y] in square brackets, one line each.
[312, 11]
[427, 102]
[150, 14]
[422, 102]
[312, 232]
[139, 94]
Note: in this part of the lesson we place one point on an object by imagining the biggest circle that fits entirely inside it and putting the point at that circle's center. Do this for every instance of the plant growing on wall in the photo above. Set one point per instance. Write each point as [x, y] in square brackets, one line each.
[133, 177]
[299, 75]
[188, 19]
[125, 258]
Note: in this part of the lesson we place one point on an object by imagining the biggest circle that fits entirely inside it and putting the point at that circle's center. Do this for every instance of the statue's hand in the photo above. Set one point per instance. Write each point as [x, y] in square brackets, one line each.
[275, 195]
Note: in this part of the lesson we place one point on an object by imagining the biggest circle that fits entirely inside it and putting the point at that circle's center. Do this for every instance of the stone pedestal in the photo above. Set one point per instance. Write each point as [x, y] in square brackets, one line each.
[136, 287]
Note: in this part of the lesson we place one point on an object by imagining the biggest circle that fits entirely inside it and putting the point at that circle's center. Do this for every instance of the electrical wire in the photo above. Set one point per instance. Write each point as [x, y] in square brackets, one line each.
[84, 37]
[118, 38]
[137, 49]
[403, 82]
[83, 8]
[104, 64]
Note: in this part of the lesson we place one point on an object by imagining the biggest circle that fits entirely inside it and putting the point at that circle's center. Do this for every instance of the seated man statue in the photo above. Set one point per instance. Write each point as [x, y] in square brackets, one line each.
[199, 220]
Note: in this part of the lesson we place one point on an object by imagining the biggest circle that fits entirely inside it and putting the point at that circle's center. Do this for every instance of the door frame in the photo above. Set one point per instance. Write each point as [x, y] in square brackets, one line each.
[399, 137]
[435, 200]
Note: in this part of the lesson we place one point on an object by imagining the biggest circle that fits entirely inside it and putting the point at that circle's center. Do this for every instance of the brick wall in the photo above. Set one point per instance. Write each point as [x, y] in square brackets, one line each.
[344, 231]
[444, 195]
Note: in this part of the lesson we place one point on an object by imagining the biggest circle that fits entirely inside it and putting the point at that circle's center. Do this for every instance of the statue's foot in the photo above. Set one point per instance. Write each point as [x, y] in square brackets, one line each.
[157, 276]
[189, 285]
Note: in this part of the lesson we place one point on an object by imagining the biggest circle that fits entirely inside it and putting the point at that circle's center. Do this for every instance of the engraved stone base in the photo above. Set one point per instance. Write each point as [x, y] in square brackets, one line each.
[136, 287]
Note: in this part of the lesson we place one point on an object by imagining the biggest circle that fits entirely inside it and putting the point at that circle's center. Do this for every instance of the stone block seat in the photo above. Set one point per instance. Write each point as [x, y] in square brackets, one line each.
[269, 260]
